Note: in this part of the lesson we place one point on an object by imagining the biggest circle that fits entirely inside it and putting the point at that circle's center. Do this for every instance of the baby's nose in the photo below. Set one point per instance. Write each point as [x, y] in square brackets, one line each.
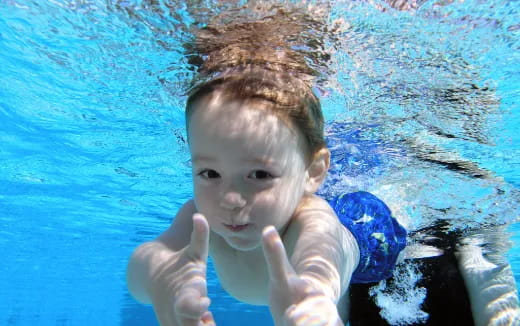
[232, 200]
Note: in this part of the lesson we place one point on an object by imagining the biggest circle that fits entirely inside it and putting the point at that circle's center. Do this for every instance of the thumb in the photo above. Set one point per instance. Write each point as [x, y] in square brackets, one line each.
[199, 242]
[278, 263]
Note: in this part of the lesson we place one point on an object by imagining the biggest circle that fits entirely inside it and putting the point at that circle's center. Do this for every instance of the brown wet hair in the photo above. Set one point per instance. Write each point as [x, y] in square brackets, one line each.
[243, 59]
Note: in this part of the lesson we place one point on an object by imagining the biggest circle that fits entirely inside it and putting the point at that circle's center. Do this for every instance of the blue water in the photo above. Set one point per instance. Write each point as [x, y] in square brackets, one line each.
[93, 158]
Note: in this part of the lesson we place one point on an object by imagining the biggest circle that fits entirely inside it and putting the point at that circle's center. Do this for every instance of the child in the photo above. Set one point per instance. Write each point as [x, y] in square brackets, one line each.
[255, 133]
[258, 154]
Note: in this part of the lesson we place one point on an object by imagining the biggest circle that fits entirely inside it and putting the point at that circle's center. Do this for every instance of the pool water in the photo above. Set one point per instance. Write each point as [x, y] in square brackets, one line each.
[93, 154]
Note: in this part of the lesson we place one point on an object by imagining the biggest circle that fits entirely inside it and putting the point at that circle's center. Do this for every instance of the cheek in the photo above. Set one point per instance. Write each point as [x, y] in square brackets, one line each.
[203, 199]
[265, 201]
[205, 205]
[276, 203]
[291, 194]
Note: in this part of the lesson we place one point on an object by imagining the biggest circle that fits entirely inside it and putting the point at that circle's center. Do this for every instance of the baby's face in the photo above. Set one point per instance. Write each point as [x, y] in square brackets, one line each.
[248, 169]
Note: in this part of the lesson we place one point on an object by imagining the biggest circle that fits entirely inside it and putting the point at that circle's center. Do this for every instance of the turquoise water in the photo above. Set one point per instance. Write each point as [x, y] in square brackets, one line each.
[93, 158]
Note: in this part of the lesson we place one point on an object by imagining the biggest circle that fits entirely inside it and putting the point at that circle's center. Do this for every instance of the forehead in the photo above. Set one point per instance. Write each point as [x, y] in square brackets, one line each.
[235, 113]
[246, 125]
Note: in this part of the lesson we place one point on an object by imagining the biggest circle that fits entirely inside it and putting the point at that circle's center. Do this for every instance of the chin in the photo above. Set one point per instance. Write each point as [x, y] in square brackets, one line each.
[242, 244]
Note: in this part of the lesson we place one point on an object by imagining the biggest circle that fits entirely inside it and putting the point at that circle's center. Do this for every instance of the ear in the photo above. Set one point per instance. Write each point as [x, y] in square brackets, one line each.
[317, 170]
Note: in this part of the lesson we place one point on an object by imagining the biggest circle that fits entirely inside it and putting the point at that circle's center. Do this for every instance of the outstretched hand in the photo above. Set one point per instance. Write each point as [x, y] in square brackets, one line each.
[293, 300]
[187, 283]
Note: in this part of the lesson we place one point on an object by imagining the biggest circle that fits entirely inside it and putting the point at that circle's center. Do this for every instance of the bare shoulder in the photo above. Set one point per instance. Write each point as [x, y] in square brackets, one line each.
[313, 216]
[177, 236]
[315, 219]
[314, 208]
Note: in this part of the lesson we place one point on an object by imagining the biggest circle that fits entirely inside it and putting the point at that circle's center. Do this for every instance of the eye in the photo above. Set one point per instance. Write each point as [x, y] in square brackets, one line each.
[209, 174]
[260, 175]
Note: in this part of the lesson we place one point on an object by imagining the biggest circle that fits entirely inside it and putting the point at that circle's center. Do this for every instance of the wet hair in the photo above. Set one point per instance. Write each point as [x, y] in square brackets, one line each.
[243, 59]
[287, 97]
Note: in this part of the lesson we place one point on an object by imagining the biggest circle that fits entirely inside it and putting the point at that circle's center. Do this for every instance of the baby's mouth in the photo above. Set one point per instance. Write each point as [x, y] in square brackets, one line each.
[236, 228]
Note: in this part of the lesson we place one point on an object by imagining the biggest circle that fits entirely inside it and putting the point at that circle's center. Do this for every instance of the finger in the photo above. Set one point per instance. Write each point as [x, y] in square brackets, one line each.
[315, 311]
[207, 319]
[278, 264]
[199, 237]
[197, 282]
[190, 305]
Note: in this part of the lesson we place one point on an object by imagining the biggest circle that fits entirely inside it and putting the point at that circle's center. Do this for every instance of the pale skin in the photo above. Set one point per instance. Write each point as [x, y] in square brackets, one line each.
[492, 289]
[273, 242]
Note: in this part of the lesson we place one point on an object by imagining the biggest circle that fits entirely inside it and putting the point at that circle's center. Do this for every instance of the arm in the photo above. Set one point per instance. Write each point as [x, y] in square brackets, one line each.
[492, 289]
[322, 251]
[170, 272]
[323, 254]
[150, 255]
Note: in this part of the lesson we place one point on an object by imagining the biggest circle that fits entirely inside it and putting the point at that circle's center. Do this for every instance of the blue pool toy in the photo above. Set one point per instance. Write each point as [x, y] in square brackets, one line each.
[379, 236]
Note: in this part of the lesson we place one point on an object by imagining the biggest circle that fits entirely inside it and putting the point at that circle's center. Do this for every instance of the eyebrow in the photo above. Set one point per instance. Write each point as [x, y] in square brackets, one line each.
[270, 162]
[262, 161]
[202, 158]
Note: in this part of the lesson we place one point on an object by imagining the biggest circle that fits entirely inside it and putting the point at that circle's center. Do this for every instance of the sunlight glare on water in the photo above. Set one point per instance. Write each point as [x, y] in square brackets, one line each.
[93, 145]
